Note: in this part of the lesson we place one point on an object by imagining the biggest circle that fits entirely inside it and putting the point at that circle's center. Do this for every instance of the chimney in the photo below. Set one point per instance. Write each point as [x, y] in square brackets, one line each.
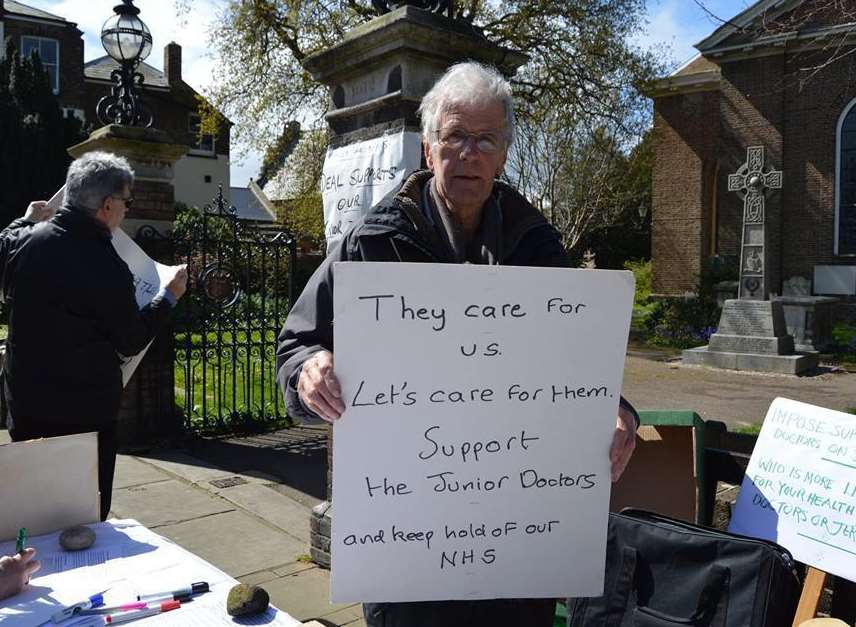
[171, 62]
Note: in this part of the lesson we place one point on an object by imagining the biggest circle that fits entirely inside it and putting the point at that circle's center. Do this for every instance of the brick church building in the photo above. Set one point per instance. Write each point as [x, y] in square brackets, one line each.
[750, 86]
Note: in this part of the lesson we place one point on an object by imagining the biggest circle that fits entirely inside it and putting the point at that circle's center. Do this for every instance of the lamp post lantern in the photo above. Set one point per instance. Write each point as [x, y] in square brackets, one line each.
[128, 41]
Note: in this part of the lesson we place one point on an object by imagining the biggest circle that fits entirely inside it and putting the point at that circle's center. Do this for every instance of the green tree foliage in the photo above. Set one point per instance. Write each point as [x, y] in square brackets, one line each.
[34, 135]
[278, 152]
[295, 187]
[627, 235]
[581, 64]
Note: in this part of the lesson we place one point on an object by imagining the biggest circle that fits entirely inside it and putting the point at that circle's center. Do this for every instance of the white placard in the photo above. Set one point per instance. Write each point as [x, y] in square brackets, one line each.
[472, 458]
[800, 486]
[358, 176]
[149, 277]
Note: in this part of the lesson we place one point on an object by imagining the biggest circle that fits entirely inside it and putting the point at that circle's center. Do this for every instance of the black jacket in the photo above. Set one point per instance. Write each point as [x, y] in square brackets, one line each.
[397, 230]
[72, 308]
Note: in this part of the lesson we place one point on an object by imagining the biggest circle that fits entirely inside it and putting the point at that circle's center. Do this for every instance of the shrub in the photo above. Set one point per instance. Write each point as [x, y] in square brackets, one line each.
[844, 336]
[690, 320]
[642, 305]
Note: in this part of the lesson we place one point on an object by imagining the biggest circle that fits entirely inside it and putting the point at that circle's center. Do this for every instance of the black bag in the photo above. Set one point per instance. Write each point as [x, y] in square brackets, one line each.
[662, 572]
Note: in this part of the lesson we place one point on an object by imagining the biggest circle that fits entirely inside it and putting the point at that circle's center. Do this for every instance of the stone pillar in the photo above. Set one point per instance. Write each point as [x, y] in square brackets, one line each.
[377, 76]
[147, 405]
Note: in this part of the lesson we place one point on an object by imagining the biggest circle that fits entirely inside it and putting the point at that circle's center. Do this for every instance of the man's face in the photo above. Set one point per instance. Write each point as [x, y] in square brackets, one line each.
[114, 209]
[464, 175]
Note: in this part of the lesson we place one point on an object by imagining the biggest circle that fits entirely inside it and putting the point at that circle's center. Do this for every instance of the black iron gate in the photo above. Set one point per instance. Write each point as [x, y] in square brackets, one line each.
[240, 288]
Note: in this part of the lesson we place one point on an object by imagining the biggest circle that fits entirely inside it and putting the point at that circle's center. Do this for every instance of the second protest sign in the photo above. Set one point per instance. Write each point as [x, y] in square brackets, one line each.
[472, 458]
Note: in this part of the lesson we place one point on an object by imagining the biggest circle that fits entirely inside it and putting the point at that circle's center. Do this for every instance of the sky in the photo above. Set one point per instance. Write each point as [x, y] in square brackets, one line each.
[675, 24]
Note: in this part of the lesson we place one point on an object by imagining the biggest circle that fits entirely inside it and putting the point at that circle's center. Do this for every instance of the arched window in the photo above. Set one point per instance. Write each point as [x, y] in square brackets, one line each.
[845, 183]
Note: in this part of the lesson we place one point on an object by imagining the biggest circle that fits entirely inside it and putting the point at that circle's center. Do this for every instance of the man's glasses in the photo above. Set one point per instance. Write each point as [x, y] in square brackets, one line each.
[457, 138]
[129, 200]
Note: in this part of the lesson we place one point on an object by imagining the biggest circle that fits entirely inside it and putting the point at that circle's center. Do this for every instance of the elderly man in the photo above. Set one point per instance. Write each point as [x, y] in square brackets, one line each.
[72, 311]
[456, 212]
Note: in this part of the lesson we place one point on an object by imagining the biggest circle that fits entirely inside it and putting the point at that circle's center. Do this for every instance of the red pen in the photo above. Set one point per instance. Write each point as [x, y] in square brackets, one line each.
[136, 605]
[125, 617]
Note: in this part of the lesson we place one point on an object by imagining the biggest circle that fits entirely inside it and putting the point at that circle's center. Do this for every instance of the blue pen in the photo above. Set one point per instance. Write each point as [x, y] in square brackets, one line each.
[94, 601]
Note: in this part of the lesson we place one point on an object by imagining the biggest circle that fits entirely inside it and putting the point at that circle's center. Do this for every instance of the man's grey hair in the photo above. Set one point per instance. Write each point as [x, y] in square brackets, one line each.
[94, 177]
[469, 84]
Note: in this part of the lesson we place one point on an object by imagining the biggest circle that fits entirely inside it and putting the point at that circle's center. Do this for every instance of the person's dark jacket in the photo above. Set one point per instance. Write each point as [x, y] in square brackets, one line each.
[72, 309]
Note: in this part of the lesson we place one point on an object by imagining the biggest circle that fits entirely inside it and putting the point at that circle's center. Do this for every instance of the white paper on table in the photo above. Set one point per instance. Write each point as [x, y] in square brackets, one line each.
[48, 484]
[800, 486]
[403, 333]
[139, 561]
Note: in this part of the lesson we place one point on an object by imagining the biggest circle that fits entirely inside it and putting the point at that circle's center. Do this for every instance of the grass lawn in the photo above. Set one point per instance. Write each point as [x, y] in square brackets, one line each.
[230, 378]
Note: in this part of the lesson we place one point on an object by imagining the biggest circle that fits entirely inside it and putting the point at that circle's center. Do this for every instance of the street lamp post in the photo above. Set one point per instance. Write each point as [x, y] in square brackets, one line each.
[128, 41]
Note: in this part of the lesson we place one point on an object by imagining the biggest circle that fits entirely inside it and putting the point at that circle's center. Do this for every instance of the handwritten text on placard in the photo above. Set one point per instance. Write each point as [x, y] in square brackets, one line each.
[800, 486]
[357, 176]
[480, 404]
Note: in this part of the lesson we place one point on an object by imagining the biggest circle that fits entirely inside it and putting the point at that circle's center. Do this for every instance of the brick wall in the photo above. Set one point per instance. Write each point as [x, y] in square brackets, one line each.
[759, 103]
[153, 200]
[685, 133]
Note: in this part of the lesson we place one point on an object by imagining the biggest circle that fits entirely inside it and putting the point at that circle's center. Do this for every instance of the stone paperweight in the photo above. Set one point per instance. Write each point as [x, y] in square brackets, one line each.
[77, 538]
[247, 600]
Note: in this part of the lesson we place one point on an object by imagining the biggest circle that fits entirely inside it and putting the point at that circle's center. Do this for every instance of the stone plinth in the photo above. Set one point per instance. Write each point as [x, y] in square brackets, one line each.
[809, 320]
[147, 405]
[380, 71]
[752, 335]
[152, 154]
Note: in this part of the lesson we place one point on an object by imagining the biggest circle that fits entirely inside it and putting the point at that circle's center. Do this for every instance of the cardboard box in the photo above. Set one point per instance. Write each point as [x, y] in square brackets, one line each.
[665, 474]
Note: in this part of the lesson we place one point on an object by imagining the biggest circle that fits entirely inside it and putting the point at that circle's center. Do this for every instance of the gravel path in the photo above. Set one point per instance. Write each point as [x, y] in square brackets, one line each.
[736, 398]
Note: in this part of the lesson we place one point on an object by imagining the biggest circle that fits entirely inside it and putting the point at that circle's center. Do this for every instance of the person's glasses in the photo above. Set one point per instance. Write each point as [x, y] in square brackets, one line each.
[457, 138]
[128, 200]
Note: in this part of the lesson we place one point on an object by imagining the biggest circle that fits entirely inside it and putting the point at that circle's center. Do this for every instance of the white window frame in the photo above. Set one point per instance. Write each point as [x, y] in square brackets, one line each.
[193, 129]
[838, 128]
[55, 87]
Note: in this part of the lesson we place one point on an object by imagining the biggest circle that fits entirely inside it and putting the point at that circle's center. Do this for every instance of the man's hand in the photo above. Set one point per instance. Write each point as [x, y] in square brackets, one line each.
[15, 572]
[178, 284]
[38, 211]
[319, 388]
[623, 442]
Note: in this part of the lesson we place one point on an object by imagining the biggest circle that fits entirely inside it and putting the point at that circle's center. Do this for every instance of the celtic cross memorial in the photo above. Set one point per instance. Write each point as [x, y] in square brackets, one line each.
[752, 181]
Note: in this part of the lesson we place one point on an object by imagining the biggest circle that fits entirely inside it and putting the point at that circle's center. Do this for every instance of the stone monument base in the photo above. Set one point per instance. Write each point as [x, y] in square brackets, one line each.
[783, 364]
[809, 320]
[752, 336]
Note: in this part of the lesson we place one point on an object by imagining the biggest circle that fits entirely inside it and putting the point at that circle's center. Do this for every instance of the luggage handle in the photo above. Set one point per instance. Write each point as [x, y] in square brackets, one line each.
[715, 590]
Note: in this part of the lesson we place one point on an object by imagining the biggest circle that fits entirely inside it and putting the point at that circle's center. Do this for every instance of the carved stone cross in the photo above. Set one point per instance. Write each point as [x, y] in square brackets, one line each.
[752, 181]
